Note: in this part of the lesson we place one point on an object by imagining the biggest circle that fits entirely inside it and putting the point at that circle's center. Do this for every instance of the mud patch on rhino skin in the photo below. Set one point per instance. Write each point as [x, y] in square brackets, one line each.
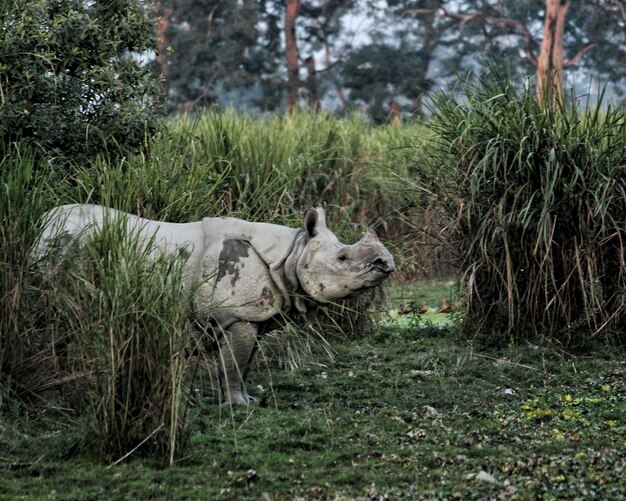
[231, 253]
[184, 252]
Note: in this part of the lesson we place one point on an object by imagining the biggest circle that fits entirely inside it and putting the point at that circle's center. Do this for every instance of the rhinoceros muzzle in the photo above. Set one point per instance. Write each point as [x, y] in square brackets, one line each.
[385, 266]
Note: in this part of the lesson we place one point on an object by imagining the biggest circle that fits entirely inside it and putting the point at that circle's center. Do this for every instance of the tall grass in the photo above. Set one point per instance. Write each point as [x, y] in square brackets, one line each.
[125, 313]
[106, 328]
[272, 169]
[23, 315]
[103, 329]
[540, 202]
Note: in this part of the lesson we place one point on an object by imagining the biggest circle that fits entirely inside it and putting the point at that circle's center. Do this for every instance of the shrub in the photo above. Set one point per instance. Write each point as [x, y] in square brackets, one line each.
[539, 202]
[70, 77]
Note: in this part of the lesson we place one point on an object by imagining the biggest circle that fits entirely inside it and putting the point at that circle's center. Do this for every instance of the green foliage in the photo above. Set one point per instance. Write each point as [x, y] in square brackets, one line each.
[274, 167]
[103, 329]
[70, 77]
[539, 198]
[124, 316]
[379, 73]
[23, 196]
[212, 47]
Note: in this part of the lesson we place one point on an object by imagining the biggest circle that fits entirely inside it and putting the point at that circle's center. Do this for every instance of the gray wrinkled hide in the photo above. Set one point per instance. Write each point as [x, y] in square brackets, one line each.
[245, 275]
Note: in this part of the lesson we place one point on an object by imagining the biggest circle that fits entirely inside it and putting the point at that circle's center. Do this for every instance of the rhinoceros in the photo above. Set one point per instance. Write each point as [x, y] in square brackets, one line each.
[246, 277]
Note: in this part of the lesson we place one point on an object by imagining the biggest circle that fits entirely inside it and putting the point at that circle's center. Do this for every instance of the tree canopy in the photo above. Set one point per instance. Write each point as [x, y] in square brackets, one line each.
[71, 78]
[372, 55]
[381, 56]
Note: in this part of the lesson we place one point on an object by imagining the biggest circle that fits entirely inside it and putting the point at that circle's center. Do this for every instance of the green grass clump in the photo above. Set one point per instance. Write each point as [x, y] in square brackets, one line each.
[127, 346]
[538, 196]
[99, 332]
[24, 354]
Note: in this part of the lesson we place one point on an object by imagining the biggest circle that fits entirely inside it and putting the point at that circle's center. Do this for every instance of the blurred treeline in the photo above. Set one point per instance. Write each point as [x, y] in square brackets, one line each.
[383, 57]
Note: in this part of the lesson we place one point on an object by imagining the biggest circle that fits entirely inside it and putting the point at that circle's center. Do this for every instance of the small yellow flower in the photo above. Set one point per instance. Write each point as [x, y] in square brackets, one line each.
[606, 387]
[26, 112]
[169, 50]
[568, 398]
[558, 435]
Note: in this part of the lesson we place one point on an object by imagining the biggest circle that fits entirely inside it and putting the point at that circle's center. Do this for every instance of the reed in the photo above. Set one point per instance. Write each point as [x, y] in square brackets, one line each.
[125, 314]
[538, 197]
[25, 341]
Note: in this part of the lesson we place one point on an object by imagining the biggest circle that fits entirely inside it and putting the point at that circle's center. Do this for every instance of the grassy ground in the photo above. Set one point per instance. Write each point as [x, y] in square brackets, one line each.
[409, 412]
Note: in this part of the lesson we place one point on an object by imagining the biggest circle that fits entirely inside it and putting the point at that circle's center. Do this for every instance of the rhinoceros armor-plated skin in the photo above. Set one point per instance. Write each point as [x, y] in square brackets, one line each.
[246, 276]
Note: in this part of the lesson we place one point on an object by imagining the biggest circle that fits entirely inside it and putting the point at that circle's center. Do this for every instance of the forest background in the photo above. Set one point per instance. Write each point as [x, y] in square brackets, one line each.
[382, 57]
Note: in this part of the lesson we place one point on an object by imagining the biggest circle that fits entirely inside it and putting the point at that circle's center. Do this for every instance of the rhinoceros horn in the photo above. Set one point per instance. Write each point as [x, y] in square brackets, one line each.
[370, 238]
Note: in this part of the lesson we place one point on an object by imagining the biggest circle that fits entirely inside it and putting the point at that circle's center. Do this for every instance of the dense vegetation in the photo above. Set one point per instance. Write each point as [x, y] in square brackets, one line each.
[96, 347]
[70, 81]
[381, 56]
[539, 200]
[101, 338]
[106, 333]
[100, 365]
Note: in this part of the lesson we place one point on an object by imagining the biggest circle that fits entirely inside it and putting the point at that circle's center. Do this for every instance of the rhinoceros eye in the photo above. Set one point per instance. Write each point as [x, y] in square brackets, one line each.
[342, 257]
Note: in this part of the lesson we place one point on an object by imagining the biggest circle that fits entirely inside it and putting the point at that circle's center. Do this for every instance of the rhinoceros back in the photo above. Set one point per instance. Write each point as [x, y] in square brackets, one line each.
[67, 223]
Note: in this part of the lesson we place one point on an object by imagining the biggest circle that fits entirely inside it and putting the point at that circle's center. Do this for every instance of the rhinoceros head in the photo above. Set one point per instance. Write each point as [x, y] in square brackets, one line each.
[328, 270]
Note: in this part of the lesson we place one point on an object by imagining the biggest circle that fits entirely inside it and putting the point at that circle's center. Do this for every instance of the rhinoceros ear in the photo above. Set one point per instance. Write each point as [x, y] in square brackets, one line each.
[314, 219]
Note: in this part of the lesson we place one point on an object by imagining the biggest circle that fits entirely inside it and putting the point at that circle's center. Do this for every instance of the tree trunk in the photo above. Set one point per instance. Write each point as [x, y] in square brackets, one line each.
[311, 84]
[426, 55]
[551, 55]
[338, 88]
[291, 52]
[164, 21]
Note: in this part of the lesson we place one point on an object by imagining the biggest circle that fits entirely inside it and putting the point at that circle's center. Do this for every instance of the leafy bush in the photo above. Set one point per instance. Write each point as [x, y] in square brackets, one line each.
[539, 199]
[70, 77]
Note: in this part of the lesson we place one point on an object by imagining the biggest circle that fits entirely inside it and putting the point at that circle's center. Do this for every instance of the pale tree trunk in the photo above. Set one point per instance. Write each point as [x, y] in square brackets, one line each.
[338, 88]
[551, 55]
[291, 52]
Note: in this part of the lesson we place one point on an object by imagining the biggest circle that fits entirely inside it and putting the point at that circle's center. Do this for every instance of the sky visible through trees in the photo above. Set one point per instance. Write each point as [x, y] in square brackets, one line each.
[375, 55]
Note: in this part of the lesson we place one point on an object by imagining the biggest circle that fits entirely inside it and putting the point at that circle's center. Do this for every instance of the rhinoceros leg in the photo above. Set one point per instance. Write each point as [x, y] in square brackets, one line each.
[236, 353]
